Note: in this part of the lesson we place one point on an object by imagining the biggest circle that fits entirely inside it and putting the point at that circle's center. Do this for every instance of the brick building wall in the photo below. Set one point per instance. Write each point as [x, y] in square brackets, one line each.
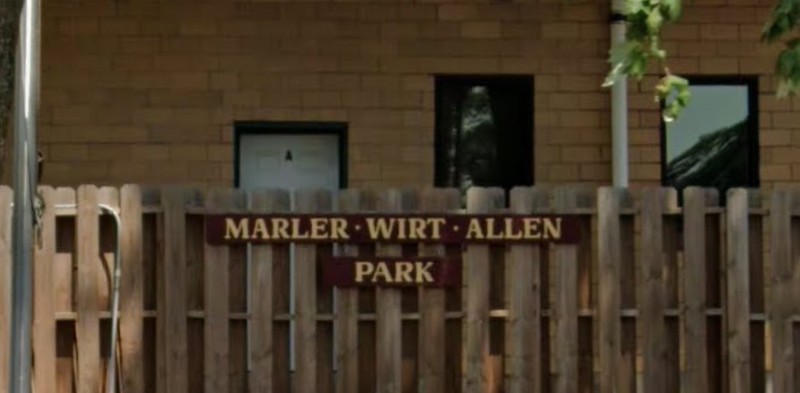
[147, 91]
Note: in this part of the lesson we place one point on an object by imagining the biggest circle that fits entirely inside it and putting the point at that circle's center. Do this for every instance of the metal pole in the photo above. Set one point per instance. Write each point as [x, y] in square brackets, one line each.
[25, 167]
[619, 104]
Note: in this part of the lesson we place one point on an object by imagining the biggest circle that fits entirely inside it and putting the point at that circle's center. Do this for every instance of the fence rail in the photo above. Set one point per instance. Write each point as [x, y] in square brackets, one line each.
[659, 295]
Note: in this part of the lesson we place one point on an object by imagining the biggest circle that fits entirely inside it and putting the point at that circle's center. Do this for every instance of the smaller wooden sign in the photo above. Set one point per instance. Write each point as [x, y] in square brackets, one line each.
[347, 272]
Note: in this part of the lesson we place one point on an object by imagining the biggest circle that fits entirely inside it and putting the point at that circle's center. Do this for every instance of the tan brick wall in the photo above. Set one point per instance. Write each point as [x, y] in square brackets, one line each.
[148, 91]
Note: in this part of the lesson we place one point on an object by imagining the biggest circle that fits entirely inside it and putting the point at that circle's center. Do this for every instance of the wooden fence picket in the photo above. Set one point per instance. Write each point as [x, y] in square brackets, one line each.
[738, 291]
[172, 362]
[566, 304]
[432, 302]
[6, 197]
[653, 291]
[476, 296]
[694, 290]
[782, 270]
[88, 312]
[609, 303]
[132, 291]
[264, 258]
[44, 321]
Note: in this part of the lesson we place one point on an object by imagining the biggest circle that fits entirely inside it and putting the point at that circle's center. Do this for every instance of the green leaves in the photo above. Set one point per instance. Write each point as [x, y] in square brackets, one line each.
[674, 91]
[787, 69]
[785, 17]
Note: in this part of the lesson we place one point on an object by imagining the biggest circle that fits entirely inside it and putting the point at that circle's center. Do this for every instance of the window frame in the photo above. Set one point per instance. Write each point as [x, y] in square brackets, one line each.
[753, 125]
[445, 81]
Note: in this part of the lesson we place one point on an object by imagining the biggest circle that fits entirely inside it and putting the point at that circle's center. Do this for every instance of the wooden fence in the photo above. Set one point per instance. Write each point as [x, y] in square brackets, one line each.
[655, 298]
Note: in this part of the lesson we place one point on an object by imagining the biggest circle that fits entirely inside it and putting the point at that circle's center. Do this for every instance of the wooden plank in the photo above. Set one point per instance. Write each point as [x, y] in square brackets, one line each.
[673, 257]
[108, 197]
[388, 324]
[566, 302]
[652, 283]
[755, 276]
[608, 203]
[586, 199]
[172, 364]
[738, 291]
[88, 313]
[306, 296]
[476, 356]
[694, 289]
[6, 198]
[44, 322]
[431, 342]
[63, 275]
[346, 316]
[261, 303]
[523, 326]
[783, 378]
[216, 331]
[131, 302]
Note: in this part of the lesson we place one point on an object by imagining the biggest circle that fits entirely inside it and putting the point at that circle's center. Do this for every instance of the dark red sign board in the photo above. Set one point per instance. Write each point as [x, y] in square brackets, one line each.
[306, 228]
[348, 272]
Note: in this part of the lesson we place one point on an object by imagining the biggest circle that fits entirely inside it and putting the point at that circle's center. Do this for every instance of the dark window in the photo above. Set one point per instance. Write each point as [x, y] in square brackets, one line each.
[714, 142]
[484, 131]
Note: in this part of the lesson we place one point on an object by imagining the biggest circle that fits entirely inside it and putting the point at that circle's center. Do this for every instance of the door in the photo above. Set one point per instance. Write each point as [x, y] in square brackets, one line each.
[290, 156]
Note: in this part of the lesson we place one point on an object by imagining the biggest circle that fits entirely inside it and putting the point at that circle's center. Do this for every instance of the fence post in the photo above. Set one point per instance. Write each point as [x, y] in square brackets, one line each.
[87, 329]
[131, 290]
[44, 322]
[653, 291]
[781, 309]
[738, 291]
[566, 304]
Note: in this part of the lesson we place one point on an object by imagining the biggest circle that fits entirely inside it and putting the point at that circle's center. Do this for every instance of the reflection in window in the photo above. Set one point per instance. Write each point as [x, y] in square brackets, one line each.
[714, 142]
[484, 132]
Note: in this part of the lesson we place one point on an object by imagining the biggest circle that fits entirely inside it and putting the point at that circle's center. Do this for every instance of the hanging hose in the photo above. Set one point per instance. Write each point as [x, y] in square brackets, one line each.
[111, 369]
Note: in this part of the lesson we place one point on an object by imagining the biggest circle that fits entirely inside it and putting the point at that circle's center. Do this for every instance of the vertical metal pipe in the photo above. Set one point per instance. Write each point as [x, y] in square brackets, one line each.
[25, 167]
[619, 104]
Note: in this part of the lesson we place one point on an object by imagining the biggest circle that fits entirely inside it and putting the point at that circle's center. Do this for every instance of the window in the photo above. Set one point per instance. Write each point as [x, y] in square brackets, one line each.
[714, 142]
[484, 131]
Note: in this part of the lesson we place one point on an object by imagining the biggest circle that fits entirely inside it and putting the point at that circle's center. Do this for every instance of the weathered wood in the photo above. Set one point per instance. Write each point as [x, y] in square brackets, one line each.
[755, 276]
[586, 199]
[653, 293]
[694, 289]
[216, 281]
[523, 327]
[476, 271]
[388, 303]
[306, 296]
[783, 379]
[172, 363]
[346, 322]
[44, 322]
[566, 305]
[261, 303]
[6, 198]
[738, 292]
[431, 342]
[608, 204]
[63, 275]
[87, 329]
[131, 300]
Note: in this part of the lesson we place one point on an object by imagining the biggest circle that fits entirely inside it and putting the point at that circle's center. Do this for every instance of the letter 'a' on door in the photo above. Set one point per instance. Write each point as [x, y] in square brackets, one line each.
[290, 155]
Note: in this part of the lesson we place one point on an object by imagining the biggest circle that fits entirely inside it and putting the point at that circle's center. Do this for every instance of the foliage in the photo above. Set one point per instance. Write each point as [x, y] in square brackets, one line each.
[646, 19]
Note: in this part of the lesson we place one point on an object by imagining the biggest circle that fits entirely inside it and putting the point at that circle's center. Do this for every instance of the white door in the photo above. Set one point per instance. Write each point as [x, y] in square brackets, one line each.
[290, 162]
[305, 161]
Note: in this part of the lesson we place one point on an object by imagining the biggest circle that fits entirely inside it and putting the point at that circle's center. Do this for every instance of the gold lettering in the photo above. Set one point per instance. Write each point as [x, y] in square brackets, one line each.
[436, 227]
[510, 234]
[319, 227]
[339, 228]
[237, 231]
[280, 228]
[296, 232]
[401, 228]
[260, 229]
[475, 231]
[416, 228]
[363, 269]
[552, 231]
[402, 272]
[531, 226]
[490, 233]
[382, 270]
[380, 228]
[423, 272]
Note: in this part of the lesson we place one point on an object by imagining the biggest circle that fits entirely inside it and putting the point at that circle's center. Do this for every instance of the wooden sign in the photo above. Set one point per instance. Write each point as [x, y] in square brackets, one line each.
[304, 228]
[391, 272]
